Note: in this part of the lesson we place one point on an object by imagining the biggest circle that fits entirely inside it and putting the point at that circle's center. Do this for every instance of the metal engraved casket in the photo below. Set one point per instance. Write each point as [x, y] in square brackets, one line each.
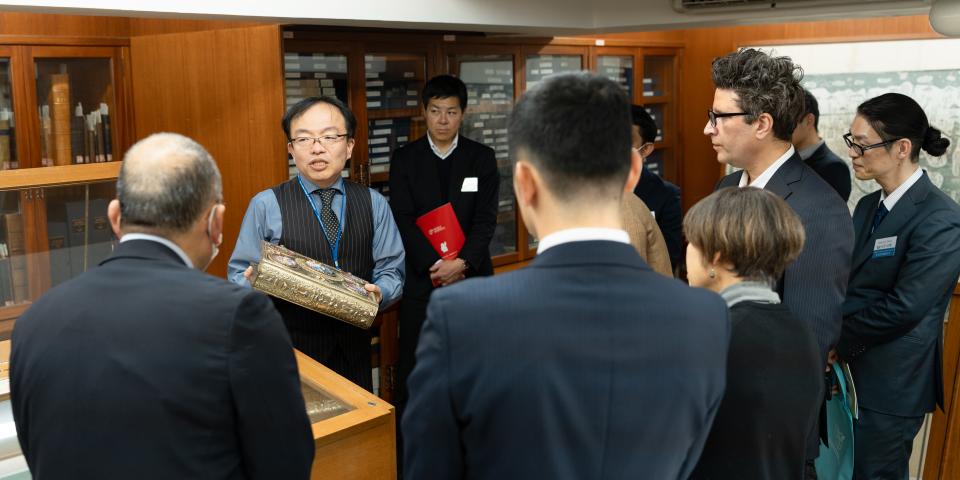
[314, 285]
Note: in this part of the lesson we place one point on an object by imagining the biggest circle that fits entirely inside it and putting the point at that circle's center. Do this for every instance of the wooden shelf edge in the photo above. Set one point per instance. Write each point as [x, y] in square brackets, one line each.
[61, 175]
[65, 41]
[13, 312]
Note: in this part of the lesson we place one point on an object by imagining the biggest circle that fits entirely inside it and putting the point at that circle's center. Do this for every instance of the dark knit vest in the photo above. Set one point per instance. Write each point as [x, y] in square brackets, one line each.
[341, 347]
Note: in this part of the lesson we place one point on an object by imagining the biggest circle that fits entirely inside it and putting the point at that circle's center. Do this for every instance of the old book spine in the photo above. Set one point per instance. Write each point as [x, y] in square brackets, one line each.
[18, 259]
[46, 136]
[5, 134]
[77, 135]
[61, 118]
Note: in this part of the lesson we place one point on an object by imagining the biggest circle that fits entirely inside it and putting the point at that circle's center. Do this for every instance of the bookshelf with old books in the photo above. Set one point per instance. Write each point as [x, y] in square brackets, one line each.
[63, 121]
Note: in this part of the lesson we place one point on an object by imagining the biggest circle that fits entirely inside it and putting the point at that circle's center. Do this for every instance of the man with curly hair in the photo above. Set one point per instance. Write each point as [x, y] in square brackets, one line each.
[750, 125]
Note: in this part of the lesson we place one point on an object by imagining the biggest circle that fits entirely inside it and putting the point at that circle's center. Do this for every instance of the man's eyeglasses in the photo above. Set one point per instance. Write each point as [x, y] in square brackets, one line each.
[713, 116]
[859, 149]
[325, 140]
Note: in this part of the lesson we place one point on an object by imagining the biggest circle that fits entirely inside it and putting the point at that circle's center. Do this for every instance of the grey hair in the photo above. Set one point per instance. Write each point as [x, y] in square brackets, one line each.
[765, 84]
[166, 182]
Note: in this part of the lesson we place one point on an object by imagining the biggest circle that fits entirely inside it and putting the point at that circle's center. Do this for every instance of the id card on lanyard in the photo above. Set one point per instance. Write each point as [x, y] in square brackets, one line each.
[334, 246]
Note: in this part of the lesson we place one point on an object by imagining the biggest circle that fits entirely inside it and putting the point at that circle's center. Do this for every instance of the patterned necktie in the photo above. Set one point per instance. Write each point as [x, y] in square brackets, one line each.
[330, 223]
[878, 216]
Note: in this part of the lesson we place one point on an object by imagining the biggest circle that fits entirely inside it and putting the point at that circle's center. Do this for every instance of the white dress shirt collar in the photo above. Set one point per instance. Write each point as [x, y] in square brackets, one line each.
[436, 151]
[582, 235]
[763, 178]
[897, 194]
[163, 241]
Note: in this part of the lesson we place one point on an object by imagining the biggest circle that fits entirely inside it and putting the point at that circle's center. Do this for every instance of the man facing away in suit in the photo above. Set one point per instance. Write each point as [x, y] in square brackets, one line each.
[573, 367]
[750, 124]
[440, 167]
[814, 151]
[146, 367]
[659, 195]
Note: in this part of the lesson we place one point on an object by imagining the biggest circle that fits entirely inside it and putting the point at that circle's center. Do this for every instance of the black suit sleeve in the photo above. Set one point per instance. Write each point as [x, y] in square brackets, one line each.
[929, 269]
[476, 247]
[838, 176]
[431, 435]
[272, 425]
[420, 254]
[670, 220]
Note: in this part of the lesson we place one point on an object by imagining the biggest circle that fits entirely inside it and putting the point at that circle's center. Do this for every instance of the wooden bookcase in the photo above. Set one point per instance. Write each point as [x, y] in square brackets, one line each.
[65, 119]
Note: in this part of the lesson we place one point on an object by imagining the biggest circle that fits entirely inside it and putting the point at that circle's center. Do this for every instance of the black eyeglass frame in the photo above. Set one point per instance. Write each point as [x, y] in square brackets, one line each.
[713, 116]
[861, 149]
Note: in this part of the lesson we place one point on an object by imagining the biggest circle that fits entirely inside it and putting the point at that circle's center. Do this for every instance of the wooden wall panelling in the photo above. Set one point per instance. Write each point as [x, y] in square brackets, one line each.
[54, 25]
[223, 88]
[943, 447]
[159, 26]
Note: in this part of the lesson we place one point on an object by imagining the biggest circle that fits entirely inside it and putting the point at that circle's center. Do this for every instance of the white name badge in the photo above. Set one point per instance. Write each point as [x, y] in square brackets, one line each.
[885, 247]
[469, 184]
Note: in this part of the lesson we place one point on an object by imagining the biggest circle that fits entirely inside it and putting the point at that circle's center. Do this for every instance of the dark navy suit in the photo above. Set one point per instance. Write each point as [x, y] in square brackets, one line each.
[144, 368]
[893, 320]
[832, 169]
[585, 364]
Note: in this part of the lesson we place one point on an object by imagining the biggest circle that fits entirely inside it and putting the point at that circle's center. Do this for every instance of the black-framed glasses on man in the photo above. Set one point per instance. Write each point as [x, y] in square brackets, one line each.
[325, 140]
[713, 116]
[859, 149]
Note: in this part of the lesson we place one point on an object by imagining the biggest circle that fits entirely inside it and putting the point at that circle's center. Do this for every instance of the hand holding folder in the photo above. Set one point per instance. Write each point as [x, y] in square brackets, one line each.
[443, 231]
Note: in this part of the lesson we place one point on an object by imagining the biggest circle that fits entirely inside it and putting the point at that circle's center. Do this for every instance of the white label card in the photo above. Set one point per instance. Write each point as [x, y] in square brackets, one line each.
[469, 184]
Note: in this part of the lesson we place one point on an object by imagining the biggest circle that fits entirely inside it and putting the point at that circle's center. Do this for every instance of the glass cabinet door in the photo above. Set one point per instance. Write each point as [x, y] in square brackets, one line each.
[490, 88]
[393, 82]
[542, 66]
[618, 68]
[311, 74]
[49, 235]
[75, 99]
[8, 147]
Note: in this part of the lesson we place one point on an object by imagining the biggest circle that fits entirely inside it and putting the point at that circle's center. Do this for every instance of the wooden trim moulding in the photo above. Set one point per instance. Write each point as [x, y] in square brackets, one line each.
[66, 41]
[60, 175]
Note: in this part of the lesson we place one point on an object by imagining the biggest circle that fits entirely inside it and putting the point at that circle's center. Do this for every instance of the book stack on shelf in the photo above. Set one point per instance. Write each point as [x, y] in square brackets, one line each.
[314, 75]
[539, 67]
[83, 137]
[618, 69]
[73, 247]
[392, 83]
[385, 136]
[651, 86]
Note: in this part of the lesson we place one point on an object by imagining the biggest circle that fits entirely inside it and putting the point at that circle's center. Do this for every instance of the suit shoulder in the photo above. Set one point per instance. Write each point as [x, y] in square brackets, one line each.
[411, 147]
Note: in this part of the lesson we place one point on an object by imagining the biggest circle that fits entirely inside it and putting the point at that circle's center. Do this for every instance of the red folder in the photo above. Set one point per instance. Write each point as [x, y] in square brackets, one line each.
[443, 231]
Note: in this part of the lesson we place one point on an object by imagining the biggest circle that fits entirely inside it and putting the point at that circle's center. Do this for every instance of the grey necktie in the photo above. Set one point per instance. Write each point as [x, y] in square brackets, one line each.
[330, 223]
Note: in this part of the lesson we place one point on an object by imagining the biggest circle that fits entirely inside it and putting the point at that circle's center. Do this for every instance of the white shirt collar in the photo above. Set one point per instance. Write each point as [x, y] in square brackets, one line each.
[582, 235]
[763, 178]
[897, 194]
[436, 151]
[163, 241]
[808, 152]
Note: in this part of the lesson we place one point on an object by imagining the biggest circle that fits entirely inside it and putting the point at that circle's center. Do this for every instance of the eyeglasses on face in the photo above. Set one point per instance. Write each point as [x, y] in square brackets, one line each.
[859, 149]
[325, 140]
[713, 116]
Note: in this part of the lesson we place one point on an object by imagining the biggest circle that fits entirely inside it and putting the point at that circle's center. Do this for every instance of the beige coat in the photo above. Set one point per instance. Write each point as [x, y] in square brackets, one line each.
[644, 234]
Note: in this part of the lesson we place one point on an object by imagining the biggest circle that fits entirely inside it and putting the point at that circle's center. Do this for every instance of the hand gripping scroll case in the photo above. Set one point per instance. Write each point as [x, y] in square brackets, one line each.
[314, 285]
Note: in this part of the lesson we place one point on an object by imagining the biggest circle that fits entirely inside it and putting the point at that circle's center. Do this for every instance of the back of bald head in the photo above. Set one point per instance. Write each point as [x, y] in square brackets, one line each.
[166, 183]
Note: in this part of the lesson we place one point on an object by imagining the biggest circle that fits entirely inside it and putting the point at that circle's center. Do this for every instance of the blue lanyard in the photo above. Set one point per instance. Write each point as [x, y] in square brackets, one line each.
[334, 247]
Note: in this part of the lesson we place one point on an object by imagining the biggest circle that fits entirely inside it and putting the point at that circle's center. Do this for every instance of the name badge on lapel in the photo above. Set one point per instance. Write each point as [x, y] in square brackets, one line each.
[469, 184]
[885, 247]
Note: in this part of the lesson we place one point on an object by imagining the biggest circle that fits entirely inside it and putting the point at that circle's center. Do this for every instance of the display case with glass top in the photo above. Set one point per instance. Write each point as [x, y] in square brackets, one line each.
[354, 431]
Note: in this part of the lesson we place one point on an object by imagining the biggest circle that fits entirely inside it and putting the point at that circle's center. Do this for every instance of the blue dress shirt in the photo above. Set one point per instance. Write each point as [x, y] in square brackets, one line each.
[263, 222]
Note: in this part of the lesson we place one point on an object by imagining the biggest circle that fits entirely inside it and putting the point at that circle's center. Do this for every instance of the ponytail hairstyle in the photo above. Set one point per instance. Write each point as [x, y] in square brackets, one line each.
[894, 116]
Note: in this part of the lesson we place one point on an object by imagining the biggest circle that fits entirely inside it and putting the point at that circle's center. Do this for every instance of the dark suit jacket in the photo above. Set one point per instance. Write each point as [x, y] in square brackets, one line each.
[415, 189]
[663, 199]
[144, 368]
[814, 285]
[893, 314]
[832, 169]
[573, 367]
